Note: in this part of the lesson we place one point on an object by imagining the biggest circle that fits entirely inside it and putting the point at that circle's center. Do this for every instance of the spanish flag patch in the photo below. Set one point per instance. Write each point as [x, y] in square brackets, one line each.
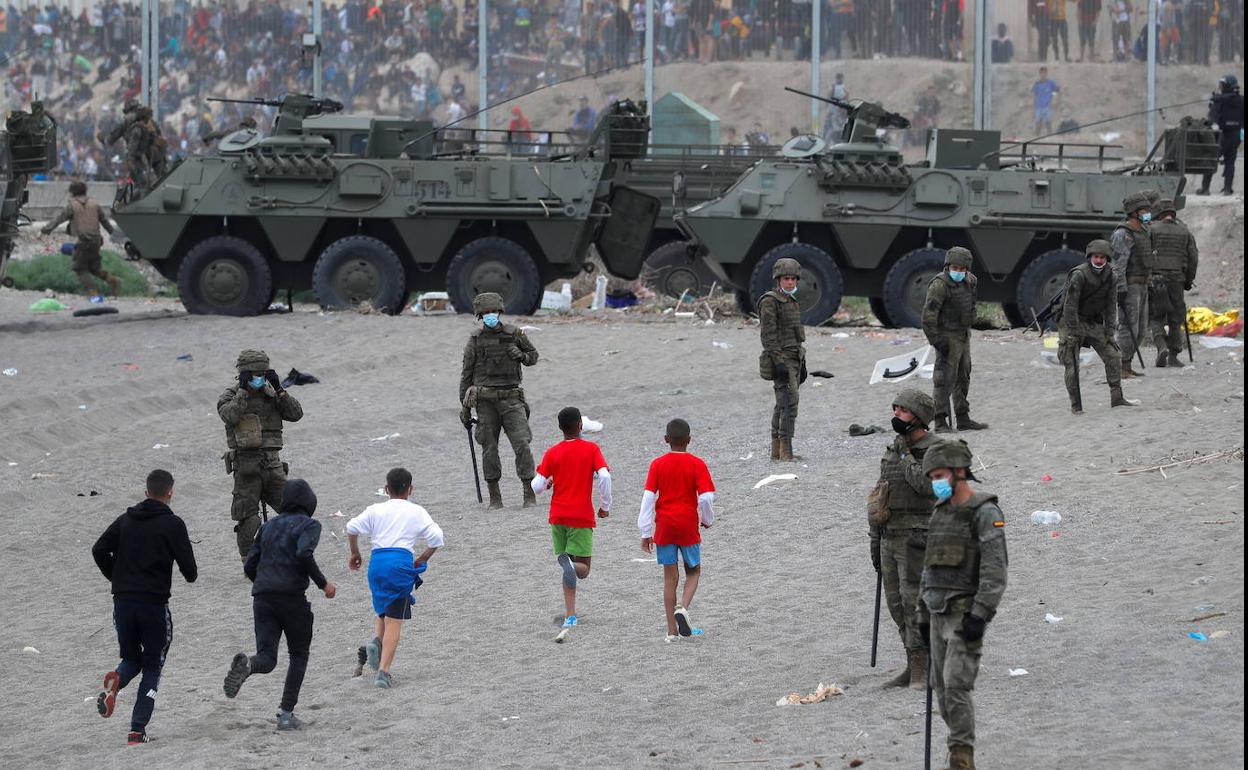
[998, 523]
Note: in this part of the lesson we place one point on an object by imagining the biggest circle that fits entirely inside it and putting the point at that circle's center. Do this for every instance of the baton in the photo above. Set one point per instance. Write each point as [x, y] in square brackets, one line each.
[875, 629]
[927, 726]
[472, 450]
[1187, 334]
[1122, 308]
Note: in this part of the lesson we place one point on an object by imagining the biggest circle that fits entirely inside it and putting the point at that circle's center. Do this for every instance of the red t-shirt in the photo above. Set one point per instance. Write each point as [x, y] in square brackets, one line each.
[678, 478]
[570, 465]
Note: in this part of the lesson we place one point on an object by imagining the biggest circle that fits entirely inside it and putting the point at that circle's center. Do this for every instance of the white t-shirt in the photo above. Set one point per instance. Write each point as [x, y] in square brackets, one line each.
[396, 524]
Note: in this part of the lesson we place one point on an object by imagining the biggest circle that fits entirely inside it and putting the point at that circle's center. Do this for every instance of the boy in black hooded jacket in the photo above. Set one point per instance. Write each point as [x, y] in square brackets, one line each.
[136, 553]
[279, 565]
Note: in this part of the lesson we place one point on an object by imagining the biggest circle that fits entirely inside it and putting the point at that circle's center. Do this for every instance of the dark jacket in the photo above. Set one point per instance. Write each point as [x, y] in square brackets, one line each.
[281, 560]
[138, 550]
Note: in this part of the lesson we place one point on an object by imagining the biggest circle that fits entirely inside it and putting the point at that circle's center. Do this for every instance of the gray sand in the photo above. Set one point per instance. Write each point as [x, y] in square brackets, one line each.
[787, 591]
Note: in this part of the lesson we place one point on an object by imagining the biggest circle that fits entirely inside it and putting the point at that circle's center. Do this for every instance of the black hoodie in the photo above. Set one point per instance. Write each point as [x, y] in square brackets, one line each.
[281, 560]
[138, 550]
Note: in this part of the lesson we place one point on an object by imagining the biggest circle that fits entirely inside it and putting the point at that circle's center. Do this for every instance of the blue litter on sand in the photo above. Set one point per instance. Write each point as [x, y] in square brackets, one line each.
[696, 632]
[1198, 636]
[185, 357]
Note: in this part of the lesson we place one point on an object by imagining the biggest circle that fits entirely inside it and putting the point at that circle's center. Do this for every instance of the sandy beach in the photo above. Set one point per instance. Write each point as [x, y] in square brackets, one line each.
[787, 591]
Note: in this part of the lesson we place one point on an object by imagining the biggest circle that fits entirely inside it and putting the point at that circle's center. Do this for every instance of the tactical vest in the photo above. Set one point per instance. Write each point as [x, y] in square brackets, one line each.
[260, 427]
[493, 367]
[1170, 242]
[957, 314]
[952, 557]
[791, 331]
[1140, 264]
[908, 509]
[1098, 292]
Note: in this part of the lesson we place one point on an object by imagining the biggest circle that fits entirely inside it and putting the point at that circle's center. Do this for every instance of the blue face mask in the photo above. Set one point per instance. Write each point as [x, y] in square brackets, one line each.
[958, 276]
[942, 489]
[257, 382]
[789, 292]
[490, 320]
[1146, 217]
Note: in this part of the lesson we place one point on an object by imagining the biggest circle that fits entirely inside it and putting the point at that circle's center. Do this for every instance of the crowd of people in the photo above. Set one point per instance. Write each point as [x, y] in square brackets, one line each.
[396, 56]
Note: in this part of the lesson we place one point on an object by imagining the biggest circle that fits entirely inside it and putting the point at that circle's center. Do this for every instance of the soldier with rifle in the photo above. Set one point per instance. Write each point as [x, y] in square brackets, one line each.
[137, 136]
[1175, 273]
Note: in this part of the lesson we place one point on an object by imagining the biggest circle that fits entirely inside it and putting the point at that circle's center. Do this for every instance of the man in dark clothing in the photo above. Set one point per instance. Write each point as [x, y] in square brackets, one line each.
[279, 565]
[1226, 111]
[136, 553]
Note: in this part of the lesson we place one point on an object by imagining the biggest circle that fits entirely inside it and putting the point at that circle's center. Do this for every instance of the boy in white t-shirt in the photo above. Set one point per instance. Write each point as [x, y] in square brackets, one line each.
[393, 566]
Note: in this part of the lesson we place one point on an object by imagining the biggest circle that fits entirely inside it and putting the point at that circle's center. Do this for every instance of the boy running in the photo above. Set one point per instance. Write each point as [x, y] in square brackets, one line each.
[679, 496]
[393, 567]
[570, 468]
[136, 553]
[279, 565]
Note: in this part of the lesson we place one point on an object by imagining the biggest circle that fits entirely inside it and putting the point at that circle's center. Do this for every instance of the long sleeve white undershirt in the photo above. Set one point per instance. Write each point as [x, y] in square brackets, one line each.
[541, 483]
[645, 518]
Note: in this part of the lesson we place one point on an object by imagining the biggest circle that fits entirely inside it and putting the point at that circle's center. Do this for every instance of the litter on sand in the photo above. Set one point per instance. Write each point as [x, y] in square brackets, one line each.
[186, 357]
[864, 430]
[1198, 636]
[1018, 672]
[386, 437]
[773, 478]
[10, 372]
[718, 344]
[900, 367]
[46, 305]
[160, 446]
[42, 475]
[30, 650]
[590, 426]
[1050, 618]
[1219, 342]
[297, 377]
[821, 693]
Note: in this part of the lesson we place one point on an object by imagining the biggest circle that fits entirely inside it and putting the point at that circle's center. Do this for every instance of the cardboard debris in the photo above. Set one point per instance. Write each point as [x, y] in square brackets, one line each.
[821, 693]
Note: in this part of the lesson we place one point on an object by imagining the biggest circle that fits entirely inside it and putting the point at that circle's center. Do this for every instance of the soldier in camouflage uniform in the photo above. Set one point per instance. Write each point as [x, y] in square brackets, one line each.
[253, 410]
[963, 579]
[133, 129]
[1089, 318]
[1174, 272]
[154, 141]
[948, 313]
[248, 123]
[783, 360]
[85, 218]
[490, 382]
[899, 526]
[1133, 258]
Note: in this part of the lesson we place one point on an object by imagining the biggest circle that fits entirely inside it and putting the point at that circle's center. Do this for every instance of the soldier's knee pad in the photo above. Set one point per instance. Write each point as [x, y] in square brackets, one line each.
[244, 506]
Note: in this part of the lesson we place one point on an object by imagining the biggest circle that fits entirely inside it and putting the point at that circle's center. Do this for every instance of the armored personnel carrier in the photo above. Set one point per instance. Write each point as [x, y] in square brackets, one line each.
[863, 223]
[369, 209]
[27, 146]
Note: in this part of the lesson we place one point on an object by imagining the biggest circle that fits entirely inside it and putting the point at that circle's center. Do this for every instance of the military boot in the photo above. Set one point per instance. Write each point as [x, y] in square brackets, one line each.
[776, 447]
[902, 679]
[1163, 359]
[786, 451]
[942, 424]
[1116, 398]
[1129, 373]
[496, 494]
[961, 757]
[1228, 190]
[530, 499]
[918, 669]
[966, 423]
[114, 285]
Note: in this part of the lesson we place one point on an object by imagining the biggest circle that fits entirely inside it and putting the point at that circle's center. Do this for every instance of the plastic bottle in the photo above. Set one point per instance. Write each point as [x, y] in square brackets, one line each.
[566, 291]
[1046, 518]
[600, 293]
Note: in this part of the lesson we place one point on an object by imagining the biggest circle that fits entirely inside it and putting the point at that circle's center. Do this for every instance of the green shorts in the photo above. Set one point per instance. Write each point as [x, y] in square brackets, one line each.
[574, 541]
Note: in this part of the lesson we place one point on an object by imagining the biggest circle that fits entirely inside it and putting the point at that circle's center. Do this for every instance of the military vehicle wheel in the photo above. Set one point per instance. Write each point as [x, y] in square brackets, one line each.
[905, 286]
[669, 271]
[499, 265]
[819, 294]
[224, 275]
[1042, 278]
[359, 268]
[880, 312]
[1013, 314]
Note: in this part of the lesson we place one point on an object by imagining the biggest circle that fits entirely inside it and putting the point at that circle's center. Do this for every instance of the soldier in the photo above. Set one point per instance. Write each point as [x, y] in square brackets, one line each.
[1132, 245]
[964, 577]
[248, 123]
[131, 128]
[899, 526]
[948, 313]
[490, 382]
[253, 411]
[784, 358]
[1226, 111]
[1089, 318]
[155, 143]
[1174, 273]
[85, 218]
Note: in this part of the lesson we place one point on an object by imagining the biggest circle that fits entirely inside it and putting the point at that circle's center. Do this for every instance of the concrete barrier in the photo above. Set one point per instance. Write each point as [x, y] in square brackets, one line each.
[48, 198]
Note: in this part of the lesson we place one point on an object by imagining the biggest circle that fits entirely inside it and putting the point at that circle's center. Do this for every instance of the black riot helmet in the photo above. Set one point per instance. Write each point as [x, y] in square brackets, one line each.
[1229, 84]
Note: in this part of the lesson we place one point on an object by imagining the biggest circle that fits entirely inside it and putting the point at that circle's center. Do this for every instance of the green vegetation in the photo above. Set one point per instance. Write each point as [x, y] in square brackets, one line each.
[52, 271]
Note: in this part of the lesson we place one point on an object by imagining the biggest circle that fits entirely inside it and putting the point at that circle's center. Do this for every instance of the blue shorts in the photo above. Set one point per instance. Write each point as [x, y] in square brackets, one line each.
[399, 609]
[691, 555]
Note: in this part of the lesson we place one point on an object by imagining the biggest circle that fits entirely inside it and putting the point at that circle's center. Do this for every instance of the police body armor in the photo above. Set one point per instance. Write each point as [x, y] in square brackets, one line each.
[1140, 264]
[259, 428]
[494, 368]
[1170, 245]
[957, 314]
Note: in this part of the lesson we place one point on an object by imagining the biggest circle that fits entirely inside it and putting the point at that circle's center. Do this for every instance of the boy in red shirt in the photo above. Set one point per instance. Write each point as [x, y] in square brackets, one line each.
[679, 496]
[570, 468]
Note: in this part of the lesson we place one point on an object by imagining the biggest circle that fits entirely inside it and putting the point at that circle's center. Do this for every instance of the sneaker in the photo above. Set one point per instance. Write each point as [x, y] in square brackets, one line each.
[286, 720]
[671, 638]
[373, 651]
[134, 739]
[682, 621]
[240, 669]
[569, 623]
[569, 570]
[106, 701]
[384, 681]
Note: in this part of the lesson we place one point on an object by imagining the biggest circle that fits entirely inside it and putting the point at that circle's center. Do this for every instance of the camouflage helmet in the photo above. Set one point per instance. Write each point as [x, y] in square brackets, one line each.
[247, 122]
[1099, 246]
[919, 404]
[786, 266]
[1165, 206]
[1134, 202]
[487, 302]
[958, 256]
[252, 361]
[1153, 195]
[949, 453]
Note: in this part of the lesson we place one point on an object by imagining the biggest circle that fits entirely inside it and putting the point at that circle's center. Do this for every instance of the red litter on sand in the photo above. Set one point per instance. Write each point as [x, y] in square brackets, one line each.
[1055, 534]
[1046, 477]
